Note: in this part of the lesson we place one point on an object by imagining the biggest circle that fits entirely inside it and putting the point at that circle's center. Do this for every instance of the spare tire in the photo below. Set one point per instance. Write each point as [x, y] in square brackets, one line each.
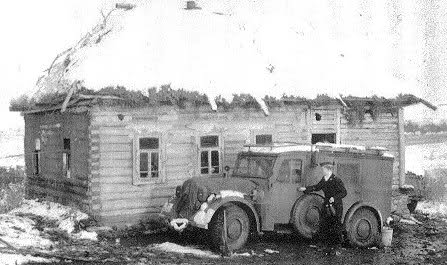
[306, 215]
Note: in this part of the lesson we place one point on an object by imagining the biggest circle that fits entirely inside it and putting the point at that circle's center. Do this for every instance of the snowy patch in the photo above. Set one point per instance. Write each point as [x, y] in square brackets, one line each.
[15, 259]
[171, 247]
[433, 209]
[231, 193]
[65, 216]
[20, 232]
[271, 251]
[93, 236]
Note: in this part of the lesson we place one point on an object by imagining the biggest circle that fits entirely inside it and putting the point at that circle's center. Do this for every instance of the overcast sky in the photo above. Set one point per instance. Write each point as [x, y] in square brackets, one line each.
[33, 32]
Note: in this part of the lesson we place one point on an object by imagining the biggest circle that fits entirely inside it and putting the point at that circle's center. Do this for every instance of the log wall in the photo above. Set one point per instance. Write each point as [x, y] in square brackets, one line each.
[51, 183]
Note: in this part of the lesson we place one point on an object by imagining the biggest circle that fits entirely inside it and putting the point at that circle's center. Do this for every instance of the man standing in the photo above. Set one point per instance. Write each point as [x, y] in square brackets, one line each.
[334, 191]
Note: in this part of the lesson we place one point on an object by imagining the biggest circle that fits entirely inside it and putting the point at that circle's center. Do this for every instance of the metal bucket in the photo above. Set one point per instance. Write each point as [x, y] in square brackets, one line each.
[387, 236]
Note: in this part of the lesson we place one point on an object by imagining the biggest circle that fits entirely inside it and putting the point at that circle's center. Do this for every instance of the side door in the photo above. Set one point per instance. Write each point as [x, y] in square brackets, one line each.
[283, 186]
[349, 172]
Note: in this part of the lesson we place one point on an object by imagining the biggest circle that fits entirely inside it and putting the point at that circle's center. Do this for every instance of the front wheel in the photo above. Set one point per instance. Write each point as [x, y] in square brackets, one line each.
[363, 228]
[237, 228]
[306, 215]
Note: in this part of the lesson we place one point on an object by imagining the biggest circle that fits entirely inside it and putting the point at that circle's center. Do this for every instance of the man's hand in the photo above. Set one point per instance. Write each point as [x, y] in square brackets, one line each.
[331, 199]
[302, 188]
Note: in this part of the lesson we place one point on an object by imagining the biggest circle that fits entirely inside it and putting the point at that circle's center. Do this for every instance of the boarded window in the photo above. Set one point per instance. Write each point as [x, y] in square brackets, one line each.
[264, 139]
[36, 157]
[66, 158]
[323, 138]
[149, 156]
[209, 155]
[290, 171]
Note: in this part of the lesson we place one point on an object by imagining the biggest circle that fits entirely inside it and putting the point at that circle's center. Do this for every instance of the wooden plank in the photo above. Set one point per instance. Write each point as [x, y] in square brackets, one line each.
[118, 164]
[116, 156]
[115, 147]
[115, 171]
[115, 139]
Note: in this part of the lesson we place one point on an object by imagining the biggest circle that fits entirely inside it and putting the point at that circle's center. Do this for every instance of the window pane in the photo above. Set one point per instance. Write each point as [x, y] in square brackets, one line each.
[284, 172]
[204, 170]
[209, 141]
[242, 168]
[154, 175]
[144, 162]
[149, 143]
[264, 139]
[66, 144]
[204, 159]
[143, 175]
[214, 158]
[154, 161]
[296, 170]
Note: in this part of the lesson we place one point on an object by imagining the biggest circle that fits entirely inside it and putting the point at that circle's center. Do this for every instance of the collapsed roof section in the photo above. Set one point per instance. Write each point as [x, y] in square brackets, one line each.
[219, 49]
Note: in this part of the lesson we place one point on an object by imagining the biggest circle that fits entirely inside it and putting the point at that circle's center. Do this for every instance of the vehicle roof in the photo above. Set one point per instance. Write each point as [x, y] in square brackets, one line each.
[280, 148]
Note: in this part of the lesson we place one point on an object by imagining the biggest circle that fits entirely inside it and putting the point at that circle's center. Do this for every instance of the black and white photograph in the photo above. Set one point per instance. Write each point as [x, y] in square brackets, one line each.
[223, 132]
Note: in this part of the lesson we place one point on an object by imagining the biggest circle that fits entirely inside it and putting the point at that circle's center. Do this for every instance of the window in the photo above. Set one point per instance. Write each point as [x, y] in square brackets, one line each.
[149, 154]
[264, 139]
[254, 166]
[36, 157]
[290, 171]
[209, 155]
[66, 158]
[323, 138]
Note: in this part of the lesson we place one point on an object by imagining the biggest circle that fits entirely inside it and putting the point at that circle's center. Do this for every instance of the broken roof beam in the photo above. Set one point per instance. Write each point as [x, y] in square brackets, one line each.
[125, 6]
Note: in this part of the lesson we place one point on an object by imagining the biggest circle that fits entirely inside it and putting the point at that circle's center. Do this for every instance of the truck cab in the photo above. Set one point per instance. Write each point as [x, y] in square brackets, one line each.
[262, 193]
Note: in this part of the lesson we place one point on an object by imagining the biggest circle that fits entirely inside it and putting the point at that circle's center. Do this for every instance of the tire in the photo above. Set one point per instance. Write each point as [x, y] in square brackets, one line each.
[363, 228]
[306, 215]
[238, 228]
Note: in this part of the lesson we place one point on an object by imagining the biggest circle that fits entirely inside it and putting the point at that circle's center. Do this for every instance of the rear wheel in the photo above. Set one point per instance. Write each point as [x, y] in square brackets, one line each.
[306, 215]
[363, 228]
[237, 226]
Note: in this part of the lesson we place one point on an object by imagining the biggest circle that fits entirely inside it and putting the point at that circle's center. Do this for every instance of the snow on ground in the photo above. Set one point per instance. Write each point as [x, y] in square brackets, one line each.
[171, 247]
[16, 259]
[425, 157]
[65, 216]
[433, 209]
[19, 230]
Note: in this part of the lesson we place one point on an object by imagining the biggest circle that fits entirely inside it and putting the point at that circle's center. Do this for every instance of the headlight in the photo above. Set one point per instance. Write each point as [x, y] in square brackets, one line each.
[202, 194]
[211, 197]
[178, 191]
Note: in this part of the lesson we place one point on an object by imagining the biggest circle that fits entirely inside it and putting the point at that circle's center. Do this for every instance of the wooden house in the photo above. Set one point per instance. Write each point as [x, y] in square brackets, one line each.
[121, 163]
[118, 154]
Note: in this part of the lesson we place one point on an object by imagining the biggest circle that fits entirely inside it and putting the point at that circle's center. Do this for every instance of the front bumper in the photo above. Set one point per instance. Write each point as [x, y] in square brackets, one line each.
[199, 219]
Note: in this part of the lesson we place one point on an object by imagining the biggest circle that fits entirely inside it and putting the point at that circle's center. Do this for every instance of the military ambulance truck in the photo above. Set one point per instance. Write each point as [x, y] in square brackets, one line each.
[261, 194]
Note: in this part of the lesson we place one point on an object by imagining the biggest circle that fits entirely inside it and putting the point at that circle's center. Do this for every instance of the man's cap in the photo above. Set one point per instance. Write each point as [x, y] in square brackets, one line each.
[326, 164]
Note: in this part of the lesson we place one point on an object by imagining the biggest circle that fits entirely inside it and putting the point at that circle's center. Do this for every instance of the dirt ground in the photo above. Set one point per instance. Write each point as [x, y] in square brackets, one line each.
[424, 243]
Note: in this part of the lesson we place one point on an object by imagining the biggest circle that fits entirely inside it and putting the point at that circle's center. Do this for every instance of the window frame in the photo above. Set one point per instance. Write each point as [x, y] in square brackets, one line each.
[290, 179]
[37, 167]
[261, 135]
[136, 178]
[66, 159]
[209, 150]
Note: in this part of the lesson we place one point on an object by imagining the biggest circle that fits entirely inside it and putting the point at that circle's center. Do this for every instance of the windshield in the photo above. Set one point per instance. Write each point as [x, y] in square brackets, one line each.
[254, 166]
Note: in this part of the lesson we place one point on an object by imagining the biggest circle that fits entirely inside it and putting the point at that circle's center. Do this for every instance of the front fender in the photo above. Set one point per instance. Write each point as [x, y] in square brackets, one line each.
[359, 205]
[203, 217]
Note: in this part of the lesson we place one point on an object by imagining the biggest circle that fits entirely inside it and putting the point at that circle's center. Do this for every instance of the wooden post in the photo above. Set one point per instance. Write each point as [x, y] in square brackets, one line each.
[401, 147]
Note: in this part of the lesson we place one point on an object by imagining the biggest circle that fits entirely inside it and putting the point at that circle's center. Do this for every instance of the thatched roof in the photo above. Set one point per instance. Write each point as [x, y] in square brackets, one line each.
[225, 48]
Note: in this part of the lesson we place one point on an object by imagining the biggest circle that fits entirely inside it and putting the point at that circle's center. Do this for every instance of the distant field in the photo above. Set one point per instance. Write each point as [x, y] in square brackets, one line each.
[426, 157]
[413, 139]
[11, 143]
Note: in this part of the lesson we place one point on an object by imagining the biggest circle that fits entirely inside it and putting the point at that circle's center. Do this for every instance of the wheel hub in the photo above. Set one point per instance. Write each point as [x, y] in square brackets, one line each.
[313, 216]
[234, 229]
[363, 229]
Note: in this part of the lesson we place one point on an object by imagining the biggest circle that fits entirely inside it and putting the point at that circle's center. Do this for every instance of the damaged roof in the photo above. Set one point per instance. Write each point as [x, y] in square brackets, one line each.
[221, 48]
